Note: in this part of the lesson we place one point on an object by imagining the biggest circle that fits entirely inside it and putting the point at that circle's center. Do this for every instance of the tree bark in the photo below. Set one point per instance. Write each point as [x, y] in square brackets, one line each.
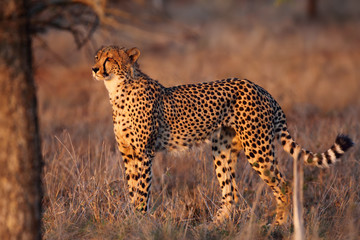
[20, 157]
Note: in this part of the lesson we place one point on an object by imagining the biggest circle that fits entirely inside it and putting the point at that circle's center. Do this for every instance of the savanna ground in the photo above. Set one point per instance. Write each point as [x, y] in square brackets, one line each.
[311, 68]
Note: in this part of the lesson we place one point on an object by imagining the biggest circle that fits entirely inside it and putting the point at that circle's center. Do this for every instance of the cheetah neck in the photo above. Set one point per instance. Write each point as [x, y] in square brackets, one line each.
[112, 85]
[119, 82]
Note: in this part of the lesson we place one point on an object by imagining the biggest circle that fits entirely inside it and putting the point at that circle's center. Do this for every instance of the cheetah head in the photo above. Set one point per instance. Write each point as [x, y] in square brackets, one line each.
[112, 62]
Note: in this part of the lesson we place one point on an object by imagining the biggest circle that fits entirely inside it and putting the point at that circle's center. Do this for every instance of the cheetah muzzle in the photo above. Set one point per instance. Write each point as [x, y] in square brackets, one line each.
[233, 113]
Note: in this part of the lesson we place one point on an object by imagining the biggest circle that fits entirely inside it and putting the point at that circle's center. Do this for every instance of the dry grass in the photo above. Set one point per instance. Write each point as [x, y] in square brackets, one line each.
[86, 196]
[311, 69]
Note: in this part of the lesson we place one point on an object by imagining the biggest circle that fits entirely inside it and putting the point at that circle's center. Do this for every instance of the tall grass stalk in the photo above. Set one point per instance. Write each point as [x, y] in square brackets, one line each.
[298, 184]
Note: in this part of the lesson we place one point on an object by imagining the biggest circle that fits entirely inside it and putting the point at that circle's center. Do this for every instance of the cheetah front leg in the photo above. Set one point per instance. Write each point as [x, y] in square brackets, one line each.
[131, 171]
[138, 176]
[144, 181]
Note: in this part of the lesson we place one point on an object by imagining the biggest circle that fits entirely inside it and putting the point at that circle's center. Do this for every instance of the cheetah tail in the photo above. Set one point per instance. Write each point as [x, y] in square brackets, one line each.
[322, 160]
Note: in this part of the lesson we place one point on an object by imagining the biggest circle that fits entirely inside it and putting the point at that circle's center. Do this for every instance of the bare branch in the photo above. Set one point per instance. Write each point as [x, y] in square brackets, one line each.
[80, 20]
[82, 17]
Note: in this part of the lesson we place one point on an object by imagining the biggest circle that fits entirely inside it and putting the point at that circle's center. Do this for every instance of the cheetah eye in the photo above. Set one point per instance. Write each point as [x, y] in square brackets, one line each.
[96, 57]
[110, 59]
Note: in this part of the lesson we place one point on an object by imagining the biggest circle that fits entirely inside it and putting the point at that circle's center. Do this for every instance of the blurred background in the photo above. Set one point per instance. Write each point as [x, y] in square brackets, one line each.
[305, 53]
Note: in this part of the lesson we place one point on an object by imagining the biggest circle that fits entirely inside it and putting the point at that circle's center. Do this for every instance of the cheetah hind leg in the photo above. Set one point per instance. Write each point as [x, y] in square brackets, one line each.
[266, 168]
[225, 148]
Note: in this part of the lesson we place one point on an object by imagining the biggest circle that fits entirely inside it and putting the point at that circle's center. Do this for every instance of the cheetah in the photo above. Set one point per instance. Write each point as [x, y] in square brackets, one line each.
[234, 114]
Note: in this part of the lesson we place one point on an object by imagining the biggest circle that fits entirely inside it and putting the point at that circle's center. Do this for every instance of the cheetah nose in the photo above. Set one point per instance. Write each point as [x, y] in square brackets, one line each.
[95, 69]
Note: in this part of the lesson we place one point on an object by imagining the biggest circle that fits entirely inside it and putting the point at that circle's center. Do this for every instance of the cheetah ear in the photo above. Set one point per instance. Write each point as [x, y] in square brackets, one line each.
[133, 54]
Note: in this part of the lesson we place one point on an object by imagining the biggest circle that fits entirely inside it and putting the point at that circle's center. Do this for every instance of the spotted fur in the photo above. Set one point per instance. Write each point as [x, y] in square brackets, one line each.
[235, 114]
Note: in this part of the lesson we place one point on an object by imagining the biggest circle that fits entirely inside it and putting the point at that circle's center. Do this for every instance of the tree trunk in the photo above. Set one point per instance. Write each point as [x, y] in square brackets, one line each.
[312, 9]
[20, 157]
